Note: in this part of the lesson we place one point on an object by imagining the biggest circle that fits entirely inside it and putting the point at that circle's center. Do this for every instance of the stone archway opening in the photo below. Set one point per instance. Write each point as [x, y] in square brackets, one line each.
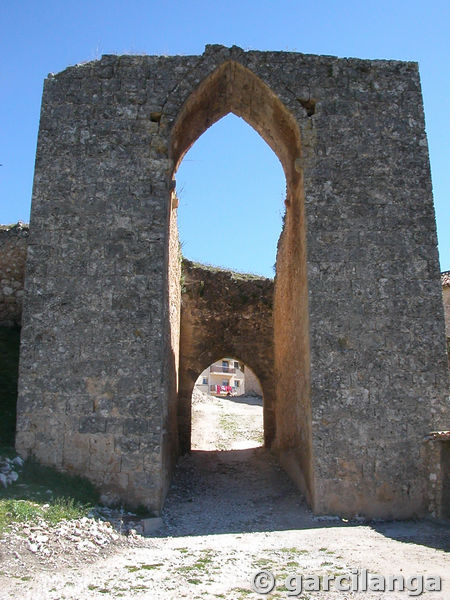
[225, 415]
[287, 415]
[231, 189]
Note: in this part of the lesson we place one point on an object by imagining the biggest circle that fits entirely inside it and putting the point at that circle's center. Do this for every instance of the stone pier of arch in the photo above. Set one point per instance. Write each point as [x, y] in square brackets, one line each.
[359, 361]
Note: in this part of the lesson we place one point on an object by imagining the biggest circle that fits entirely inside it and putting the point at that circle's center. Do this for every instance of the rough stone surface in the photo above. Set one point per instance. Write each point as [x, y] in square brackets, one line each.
[360, 369]
[13, 252]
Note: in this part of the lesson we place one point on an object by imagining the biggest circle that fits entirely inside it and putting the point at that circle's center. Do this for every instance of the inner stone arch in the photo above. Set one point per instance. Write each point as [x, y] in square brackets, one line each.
[212, 327]
[287, 412]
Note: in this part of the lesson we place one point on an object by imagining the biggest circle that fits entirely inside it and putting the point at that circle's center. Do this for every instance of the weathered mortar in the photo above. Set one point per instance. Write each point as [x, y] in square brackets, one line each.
[360, 363]
[225, 314]
[13, 252]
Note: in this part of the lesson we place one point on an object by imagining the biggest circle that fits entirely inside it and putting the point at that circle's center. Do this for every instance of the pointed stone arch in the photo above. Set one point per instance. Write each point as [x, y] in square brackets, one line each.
[235, 88]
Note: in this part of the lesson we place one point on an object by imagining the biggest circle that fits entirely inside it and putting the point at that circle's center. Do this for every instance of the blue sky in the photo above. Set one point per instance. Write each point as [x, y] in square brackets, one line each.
[229, 171]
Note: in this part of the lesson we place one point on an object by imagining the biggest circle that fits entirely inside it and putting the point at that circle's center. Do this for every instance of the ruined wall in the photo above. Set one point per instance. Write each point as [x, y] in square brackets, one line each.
[357, 287]
[225, 314]
[13, 252]
[438, 443]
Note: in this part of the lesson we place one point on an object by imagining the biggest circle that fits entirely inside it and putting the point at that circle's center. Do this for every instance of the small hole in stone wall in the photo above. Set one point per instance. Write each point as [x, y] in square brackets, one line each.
[309, 105]
[155, 117]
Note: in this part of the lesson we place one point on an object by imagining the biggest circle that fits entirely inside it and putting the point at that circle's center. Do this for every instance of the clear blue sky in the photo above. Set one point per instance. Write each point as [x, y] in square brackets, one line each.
[229, 172]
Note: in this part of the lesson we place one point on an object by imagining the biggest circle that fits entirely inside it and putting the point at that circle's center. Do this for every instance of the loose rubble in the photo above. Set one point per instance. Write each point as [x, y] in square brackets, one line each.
[70, 542]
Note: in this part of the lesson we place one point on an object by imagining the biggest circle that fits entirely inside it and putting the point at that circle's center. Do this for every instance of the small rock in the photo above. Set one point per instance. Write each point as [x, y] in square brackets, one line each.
[41, 539]
[85, 545]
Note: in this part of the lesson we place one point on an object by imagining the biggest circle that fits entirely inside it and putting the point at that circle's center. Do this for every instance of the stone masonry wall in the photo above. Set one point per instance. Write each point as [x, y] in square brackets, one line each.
[357, 275]
[13, 252]
[93, 394]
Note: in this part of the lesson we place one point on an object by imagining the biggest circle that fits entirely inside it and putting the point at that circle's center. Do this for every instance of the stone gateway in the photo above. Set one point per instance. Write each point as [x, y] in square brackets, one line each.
[359, 368]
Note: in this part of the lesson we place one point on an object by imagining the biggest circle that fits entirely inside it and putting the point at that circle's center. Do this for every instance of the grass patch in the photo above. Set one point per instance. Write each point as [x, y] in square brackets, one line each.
[44, 493]
[35, 479]
[132, 568]
[294, 550]
[262, 562]
[24, 511]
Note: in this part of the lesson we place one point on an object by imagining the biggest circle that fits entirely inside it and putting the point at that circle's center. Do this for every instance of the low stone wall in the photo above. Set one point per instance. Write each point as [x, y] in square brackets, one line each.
[13, 252]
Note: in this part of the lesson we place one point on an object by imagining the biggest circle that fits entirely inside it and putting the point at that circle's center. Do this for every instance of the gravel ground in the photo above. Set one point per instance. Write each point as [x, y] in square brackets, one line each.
[230, 513]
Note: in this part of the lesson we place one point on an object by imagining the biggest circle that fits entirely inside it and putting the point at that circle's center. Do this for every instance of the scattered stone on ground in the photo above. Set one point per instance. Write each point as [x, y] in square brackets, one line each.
[28, 547]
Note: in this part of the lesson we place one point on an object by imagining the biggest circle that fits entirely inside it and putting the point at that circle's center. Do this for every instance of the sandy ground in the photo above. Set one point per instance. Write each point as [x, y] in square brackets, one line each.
[232, 513]
[226, 423]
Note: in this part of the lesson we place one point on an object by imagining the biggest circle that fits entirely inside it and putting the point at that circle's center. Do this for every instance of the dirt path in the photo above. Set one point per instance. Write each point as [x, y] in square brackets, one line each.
[226, 423]
[230, 514]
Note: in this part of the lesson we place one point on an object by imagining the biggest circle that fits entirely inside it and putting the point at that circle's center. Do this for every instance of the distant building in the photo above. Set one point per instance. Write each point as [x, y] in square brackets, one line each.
[228, 376]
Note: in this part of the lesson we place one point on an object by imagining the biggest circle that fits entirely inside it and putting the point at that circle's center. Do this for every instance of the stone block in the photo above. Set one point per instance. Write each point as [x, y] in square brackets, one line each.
[102, 456]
